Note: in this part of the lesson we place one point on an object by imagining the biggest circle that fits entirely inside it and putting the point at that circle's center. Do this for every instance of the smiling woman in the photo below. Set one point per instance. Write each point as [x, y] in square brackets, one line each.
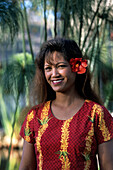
[69, 126]
[58, 73]
[68, 50]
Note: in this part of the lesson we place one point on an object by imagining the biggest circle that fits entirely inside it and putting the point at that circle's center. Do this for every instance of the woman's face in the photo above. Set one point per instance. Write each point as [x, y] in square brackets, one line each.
[58, 73]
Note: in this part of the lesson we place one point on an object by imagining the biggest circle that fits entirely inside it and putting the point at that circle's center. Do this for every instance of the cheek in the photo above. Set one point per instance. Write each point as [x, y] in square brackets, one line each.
[70, 73]
[47, 75]
[72, 76]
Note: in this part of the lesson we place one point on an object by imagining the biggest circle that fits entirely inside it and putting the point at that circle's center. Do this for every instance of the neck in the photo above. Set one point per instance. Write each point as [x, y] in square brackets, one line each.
[67, 99]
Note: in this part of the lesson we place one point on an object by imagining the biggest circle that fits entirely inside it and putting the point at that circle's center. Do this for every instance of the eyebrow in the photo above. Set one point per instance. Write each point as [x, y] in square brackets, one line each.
[56, 64]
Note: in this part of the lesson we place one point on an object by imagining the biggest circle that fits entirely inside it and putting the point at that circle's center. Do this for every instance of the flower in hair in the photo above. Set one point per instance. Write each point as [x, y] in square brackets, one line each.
[78, 65]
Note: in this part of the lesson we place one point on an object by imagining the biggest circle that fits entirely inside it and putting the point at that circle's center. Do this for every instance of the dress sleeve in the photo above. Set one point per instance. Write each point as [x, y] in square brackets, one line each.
[27, 129]
[103, 125]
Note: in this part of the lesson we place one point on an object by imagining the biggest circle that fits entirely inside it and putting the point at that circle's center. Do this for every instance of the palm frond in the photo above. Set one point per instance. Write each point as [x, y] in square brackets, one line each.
[16, 73]
[10, 14]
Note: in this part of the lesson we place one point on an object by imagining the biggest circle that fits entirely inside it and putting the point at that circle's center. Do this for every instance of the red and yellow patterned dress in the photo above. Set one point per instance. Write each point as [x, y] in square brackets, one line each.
[67, 144]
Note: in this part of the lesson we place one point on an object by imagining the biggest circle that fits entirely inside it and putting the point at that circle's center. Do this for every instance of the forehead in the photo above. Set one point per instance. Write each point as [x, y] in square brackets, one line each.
[54, 57]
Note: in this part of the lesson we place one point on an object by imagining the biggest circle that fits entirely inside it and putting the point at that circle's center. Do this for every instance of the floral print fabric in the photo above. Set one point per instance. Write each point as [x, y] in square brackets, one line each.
[67, 144]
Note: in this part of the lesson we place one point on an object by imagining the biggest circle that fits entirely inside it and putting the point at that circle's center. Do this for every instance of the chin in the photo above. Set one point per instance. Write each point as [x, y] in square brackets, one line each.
[57, 89]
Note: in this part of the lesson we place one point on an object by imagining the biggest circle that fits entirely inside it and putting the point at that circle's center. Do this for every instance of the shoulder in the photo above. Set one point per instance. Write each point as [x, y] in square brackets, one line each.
[37, 109]
[41, 106]
[91, 105]
[29, 114]
[94, 105]
[97, 109]
[101, 114]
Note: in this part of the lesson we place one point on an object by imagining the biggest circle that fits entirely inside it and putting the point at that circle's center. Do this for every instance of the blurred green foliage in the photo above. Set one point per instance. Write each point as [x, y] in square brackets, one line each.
[89, 23]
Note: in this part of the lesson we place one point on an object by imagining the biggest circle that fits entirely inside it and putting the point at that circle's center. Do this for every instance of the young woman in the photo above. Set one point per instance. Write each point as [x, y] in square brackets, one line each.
[70, 126]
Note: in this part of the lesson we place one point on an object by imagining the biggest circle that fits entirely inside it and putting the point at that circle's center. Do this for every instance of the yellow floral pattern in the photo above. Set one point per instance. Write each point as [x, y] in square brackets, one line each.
[27, 138]
[30, 116]
[64, 145]
[102, 125]
[89, 140]
[105, 133]
[80, 146]
[27, 129]
[42, 129]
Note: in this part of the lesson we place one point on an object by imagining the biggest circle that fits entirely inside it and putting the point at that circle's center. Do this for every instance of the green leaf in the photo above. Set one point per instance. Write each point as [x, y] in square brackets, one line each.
[44, 121]
[62, 153]
[86, 156]
[91, 119]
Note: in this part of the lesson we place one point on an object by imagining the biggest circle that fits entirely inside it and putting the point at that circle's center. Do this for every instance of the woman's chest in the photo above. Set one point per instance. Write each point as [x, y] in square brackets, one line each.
[74, 136]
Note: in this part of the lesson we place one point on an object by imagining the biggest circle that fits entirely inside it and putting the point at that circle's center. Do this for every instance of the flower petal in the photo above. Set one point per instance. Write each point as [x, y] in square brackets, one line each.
[84, 63]
[72, 60]
[81, 70]
[78, 65]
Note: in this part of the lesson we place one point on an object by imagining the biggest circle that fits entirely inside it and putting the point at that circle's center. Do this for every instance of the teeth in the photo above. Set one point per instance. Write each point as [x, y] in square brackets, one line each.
[57, 81]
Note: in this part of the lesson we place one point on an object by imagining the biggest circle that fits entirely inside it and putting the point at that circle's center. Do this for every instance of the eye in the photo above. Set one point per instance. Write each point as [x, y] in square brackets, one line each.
[47, 68]
[62, 66]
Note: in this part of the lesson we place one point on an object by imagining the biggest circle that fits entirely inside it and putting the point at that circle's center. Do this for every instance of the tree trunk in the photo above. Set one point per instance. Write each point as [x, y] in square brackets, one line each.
[91, 24]
[55, 17]
[65, 19]
[45, 21]
[28, 31]
[23, 40]
[81, 23]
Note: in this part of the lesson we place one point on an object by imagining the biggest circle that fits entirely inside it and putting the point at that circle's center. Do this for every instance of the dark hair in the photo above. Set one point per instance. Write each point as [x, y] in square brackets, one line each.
[69, 49]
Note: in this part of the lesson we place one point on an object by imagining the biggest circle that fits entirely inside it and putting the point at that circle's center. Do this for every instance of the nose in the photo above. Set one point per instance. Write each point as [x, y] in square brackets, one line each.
[54, 72]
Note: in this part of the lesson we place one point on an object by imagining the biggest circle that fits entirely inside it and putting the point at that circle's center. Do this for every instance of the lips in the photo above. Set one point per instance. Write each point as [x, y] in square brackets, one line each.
[55, 82]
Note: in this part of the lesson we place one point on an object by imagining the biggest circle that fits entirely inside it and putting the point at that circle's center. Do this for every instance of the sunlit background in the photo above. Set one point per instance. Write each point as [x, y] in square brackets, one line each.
[24, 26]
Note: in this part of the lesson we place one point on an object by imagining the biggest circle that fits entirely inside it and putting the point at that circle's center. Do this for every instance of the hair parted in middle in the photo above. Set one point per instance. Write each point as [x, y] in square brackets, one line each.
[69, 49]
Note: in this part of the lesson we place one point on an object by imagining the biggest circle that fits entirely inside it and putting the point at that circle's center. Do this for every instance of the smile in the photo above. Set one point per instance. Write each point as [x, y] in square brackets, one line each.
[56, 81]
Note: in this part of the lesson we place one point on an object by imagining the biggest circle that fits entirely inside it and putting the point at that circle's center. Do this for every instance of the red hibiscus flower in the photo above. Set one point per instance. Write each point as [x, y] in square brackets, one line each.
[78, 65]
